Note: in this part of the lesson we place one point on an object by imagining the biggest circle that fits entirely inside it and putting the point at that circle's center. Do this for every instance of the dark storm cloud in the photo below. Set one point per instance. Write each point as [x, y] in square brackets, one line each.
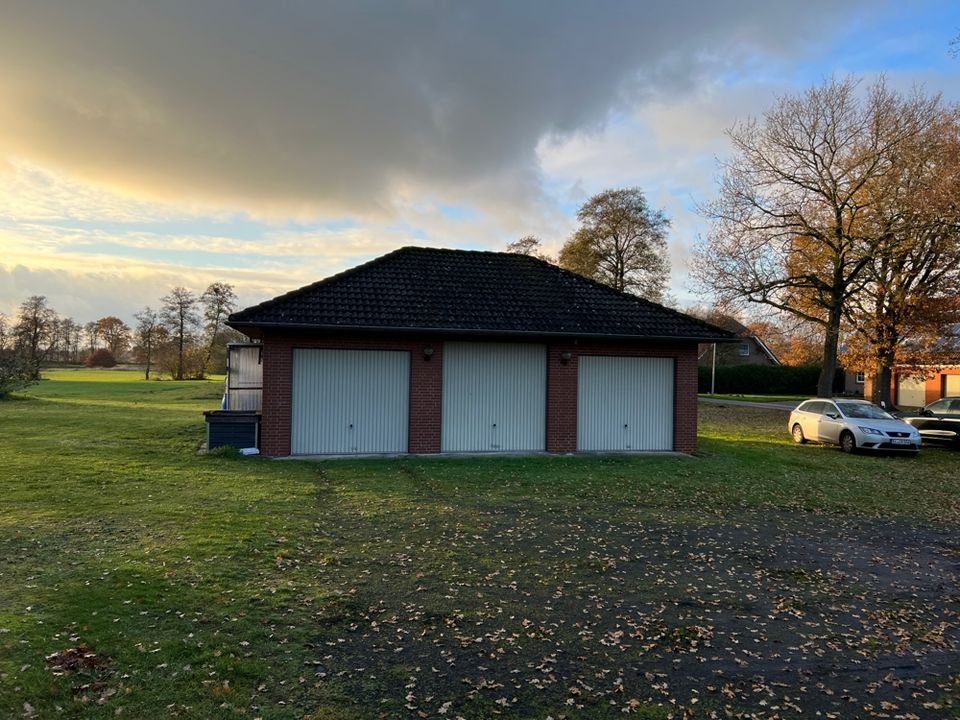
[303, 106]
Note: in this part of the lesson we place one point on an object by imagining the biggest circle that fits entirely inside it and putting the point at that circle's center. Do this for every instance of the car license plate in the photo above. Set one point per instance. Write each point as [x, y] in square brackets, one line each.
[901, 442]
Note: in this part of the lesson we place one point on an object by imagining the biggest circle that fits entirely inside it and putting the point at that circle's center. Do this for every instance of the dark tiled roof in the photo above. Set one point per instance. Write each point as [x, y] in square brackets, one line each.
[465, 291]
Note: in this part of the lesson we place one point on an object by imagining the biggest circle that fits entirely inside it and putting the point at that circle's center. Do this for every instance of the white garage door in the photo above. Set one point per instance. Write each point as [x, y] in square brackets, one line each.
[494, 397]
[911, 392]
[349, 401]
[951, 385]
[624, 403]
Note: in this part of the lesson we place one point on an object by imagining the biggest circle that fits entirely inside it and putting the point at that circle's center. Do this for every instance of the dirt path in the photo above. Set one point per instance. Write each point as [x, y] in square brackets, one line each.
[772, 615]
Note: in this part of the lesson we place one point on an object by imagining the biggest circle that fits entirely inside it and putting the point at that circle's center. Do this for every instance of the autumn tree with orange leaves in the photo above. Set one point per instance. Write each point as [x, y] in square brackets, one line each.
[913, 278]
[801, 213]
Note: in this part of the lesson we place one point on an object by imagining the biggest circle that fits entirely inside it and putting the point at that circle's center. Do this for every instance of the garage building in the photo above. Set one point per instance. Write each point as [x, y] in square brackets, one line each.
[449, 351]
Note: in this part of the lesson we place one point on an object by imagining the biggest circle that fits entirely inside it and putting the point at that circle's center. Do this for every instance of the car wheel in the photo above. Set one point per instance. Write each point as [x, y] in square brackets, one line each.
[797, 433]
[847, 442]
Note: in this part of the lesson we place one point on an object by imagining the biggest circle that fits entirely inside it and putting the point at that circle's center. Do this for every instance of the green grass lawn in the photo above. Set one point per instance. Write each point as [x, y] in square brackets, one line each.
[220, 586]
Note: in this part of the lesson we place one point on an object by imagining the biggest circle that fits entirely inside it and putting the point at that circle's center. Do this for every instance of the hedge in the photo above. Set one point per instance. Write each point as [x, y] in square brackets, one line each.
[766, 380]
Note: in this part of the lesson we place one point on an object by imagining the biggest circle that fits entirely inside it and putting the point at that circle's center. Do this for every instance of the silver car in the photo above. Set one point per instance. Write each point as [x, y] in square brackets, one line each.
[853, 425]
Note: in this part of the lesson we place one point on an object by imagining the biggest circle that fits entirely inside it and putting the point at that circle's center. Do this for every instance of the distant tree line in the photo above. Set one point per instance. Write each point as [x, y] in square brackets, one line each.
[183, 338]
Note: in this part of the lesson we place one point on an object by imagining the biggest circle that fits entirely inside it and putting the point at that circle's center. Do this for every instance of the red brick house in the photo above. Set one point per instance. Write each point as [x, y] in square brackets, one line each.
[938, 376]
[910, 390]
[430, 351]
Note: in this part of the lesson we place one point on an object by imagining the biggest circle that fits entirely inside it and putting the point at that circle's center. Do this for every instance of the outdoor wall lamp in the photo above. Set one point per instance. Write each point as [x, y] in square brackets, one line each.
[427, 353]
[565, 357]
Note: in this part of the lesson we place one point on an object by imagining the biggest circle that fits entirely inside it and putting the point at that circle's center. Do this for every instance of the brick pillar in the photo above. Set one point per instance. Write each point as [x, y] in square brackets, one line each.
[277, 380]
[561, 399]
[685, 400]
[426, 388]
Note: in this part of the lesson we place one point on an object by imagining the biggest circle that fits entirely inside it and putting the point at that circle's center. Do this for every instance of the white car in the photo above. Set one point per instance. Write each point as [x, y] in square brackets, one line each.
[853, 425]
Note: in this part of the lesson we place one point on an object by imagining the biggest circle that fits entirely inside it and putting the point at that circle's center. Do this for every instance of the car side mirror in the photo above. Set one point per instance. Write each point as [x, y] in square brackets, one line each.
[926, 413]
[832, 415]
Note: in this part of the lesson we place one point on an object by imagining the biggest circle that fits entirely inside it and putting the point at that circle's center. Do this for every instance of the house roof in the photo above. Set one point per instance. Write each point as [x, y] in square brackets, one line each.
[461, 291]
[767, 351]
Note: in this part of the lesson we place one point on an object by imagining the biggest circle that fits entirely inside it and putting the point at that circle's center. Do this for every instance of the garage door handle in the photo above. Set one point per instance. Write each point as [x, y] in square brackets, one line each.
[350, 426]
[624, 426]
[494, 424]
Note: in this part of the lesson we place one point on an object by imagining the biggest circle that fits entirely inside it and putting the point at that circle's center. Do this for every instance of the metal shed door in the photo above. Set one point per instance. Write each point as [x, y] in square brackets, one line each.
[911, 392]
[349, 401]
[494, 397]
[624, 403]
[951, 385]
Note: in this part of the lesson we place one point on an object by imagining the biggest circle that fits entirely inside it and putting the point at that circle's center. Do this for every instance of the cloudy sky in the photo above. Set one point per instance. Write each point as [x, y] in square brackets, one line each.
[150, 144]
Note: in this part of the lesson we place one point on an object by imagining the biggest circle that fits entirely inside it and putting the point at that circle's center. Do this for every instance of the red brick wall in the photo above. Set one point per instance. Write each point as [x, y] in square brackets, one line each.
[426, 377]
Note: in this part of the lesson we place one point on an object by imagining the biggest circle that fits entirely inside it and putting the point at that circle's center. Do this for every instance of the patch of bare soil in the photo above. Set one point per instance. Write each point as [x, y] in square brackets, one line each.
[764, 615]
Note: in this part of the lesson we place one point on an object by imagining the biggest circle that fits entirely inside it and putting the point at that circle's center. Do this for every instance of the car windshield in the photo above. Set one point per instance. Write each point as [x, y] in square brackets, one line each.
[863, 410]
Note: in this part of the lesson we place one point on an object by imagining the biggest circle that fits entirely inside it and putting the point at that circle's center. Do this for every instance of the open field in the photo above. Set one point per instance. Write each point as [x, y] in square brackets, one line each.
[757, 577]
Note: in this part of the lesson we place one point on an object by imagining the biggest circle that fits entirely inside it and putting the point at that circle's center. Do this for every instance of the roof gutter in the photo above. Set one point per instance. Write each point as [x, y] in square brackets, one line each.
[239, 324]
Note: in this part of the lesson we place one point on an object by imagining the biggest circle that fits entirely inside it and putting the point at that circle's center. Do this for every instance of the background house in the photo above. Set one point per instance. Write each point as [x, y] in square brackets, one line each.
[936, 377]
[912, 390]
[748, 350]
[428, 351]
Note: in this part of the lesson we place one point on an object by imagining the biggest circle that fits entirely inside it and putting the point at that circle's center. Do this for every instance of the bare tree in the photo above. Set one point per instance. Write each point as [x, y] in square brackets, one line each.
[622, 242]
[4, 331]
[35, 332]
[67, 335]
[59, 340]
[179, 314]
[92, 334]
[795, 226]
[529, 245]
[76, 341]
[218, 301]
[147, 336]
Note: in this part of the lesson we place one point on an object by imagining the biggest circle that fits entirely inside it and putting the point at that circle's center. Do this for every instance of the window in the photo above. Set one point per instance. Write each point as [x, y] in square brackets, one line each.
[744, 349]
[861, 378]
[863, 410]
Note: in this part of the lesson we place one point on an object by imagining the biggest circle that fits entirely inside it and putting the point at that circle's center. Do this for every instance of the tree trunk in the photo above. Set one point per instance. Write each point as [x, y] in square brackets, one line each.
[882, 379]
[831, 341]
[180, 356]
